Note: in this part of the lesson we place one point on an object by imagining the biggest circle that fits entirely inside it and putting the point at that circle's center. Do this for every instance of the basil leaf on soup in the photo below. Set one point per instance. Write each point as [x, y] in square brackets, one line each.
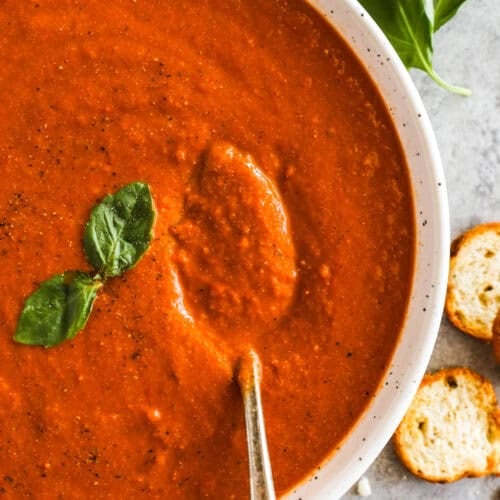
[57, 310]
[120, 229]
[409, 25]
[444, 10]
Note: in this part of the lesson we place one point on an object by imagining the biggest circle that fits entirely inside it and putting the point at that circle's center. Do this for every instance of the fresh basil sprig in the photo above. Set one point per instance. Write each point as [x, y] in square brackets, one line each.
[410, 25]
[118, 233]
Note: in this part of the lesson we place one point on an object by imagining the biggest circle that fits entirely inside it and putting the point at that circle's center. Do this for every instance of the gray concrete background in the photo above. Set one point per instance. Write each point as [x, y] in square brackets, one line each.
[467, 53]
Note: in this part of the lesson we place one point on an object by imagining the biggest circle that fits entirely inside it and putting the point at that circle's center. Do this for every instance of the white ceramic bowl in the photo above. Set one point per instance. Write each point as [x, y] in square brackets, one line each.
[412, 355]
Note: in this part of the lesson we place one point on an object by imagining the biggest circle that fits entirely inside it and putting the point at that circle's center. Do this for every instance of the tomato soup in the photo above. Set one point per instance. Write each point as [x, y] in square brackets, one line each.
[284, 224]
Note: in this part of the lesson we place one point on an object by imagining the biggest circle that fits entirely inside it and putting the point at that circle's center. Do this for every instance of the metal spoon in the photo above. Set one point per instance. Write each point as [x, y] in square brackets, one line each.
[261, 478]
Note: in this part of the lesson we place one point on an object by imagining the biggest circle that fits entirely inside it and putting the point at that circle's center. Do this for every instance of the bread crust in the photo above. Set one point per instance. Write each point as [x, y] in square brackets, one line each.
[496, 337]
[449, 375]
[454, 315]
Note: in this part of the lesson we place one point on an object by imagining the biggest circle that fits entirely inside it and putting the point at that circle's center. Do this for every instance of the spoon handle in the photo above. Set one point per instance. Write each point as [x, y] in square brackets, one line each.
[261, 478]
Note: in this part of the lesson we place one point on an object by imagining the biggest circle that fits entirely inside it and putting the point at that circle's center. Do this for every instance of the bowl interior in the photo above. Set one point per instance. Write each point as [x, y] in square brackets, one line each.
[412, 355]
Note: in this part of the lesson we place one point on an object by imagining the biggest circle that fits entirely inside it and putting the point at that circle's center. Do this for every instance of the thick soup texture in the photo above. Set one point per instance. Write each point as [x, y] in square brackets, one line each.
[284, 224]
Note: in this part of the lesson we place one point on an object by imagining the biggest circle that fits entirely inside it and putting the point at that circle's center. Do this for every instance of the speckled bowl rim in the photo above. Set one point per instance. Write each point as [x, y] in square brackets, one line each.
[374, 429]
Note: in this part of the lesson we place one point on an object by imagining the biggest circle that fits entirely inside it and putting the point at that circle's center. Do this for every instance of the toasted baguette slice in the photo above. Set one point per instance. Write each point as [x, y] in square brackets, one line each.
[473, 295]
[452, 429]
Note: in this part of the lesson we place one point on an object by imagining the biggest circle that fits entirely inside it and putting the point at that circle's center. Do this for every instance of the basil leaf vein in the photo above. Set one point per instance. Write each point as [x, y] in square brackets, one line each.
[409, 25]
[120, 229]
[57, 310]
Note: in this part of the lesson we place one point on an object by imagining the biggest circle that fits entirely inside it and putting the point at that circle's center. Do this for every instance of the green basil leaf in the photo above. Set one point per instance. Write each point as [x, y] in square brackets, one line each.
[57, 310]
[120, 229]
[409, 26]
[444, 10]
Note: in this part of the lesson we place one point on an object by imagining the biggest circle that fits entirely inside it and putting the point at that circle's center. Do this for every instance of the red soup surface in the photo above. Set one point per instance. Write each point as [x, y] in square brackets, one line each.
[285, 224]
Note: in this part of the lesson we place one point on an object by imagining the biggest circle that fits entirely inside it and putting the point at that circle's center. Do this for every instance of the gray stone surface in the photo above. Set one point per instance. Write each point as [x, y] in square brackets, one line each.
[467, 52]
